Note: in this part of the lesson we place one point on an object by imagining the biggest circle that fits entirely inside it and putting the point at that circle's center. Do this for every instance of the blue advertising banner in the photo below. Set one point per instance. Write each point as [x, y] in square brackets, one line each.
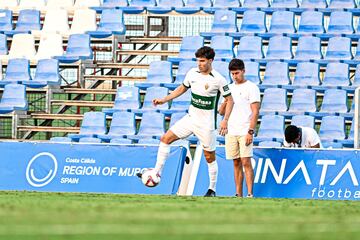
[85, 168]
[291, 173]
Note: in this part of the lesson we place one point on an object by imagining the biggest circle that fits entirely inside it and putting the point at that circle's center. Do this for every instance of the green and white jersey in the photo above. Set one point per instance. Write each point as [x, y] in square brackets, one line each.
[205, 93]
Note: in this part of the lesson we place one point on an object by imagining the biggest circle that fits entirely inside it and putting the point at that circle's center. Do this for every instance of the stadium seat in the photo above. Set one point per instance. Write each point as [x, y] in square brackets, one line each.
[165, 6]
[339, 48]
[17, 70]
[308, 48]
[332, 128]
[89, 140]
[56, 21]
[28, 20]
[255, 3]
[341, 4]
[279, 48]
[152, 125]
[222, 4]
[341, 23]
[138, 6]
[5, 20]
[250, 47]
[252, 72]
[336, 75]
[224, 22]
[253, 22]
[223, 68]
[47, 74]
[274, 100]
[303, 121]
[194, 6]
[189, 45]
[111, 23]
[60, 139]
[87, 3]
[284, 4]
[311, 22]
[312, 4]
[335, 101]
[22, 46]
[159, 72]
[51, 44]
[152, 93]
[179, 104]
[122, 124]
[121, 141]
[176, 117]
[3, 46]
[223, 46]
[269, 144]
[84, 20]
[58, 4]
[184, 67]
[282, 22]
[78, 48]
[111, 4]
[331, 145]
[32, 4]
[149, 141]
[276, 73]
[13, 99]
[307, 74]
[93, 123]
[9, 4]
[303, 100]
[127, 97]
[271, 128]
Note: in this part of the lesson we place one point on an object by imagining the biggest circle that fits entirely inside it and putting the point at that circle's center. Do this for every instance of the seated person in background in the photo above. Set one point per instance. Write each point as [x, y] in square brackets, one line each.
[301, 137]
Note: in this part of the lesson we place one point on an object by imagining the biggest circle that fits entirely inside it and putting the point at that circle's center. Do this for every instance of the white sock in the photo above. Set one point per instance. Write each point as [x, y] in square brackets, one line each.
[213, 173]
[162, 155]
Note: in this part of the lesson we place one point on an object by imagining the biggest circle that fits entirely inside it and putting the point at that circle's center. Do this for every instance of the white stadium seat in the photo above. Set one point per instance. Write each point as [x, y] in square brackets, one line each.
[51, 44]
[32, 4]
[84, 20]
[22, 46]
[56, 21]
[87, 3]
[8, 4]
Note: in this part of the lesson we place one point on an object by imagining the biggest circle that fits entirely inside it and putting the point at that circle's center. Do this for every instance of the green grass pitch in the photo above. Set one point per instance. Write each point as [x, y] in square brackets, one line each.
[32, 215]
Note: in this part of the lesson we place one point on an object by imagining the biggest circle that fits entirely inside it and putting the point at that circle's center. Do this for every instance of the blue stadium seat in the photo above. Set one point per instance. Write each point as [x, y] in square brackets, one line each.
[179, 104]
[224, 22]
[250, 47]
[223, 46]
[159, 72]
[223, 68]
[332, 128]
[149, 141]
[18, 70]
[341, 4]
[194, 6]
[176, 117]
[184, 67]
[121, 141]
[47, 74]
[222, 4]
[5, 20]
[269, 144]
[274, 100]
[307, 74]
[339, 48]
[279, 48]
[336, 75]
[281, 22]
[308, 48]
[255, 3]
[152, 125]
[165, 6]
[126, 98]
[13, 99]
[253, 22]
[151, 93]
[252, 72]
[303, 100]
[122, 124]
[271, 128]
[312, 4]
[89, 140]
[28, 20]
[335, 101]
[60, 139]
[111, 4]
[311, 22]
[341, 23]
[78, 48]
[284, 4]
[303, 120]
[138, 6]
[111, 23]
[94, 123]
[276, 73]
[189, 45]
[331, 145]
[3, 45]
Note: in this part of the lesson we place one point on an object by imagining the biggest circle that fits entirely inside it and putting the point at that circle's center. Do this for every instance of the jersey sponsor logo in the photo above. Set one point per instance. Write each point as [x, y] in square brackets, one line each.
[202, 102]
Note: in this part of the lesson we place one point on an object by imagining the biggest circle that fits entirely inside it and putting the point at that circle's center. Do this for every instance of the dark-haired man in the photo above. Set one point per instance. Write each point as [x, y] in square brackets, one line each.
[301, 137]
[206, 86]
[242, 124]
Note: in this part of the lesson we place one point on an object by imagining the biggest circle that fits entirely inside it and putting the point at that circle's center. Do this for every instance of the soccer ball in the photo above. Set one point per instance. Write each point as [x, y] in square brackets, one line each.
[150, 177]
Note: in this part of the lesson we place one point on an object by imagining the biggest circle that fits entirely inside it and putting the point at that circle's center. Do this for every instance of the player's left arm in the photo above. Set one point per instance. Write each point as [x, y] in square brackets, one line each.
[255, 106]
[228, 109]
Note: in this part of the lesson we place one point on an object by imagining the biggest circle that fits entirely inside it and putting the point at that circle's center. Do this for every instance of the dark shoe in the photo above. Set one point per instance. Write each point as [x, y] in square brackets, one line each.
[139, 175]
[238, 195]
[210, 193]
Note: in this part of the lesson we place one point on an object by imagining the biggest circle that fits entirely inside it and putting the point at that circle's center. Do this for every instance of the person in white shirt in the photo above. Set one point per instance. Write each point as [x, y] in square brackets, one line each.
[301, 137]
[241, 126]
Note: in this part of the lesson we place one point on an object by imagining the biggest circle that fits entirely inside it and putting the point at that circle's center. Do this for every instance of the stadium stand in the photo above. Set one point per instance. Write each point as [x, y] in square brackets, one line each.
[13, 99]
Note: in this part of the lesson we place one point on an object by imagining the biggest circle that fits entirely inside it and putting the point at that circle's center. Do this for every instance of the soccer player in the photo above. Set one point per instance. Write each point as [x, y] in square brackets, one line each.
[301, 137]
[242, 122]
[206, 85]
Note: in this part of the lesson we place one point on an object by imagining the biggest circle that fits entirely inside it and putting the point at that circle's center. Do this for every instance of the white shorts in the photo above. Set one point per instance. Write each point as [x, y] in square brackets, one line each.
[185, 127]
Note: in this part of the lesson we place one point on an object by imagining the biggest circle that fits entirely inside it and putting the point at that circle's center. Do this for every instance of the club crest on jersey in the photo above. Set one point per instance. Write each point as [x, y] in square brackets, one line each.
[206, 86]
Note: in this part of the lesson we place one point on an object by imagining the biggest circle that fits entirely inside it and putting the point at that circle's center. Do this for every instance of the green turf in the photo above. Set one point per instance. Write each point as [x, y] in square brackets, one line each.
[25, 215]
